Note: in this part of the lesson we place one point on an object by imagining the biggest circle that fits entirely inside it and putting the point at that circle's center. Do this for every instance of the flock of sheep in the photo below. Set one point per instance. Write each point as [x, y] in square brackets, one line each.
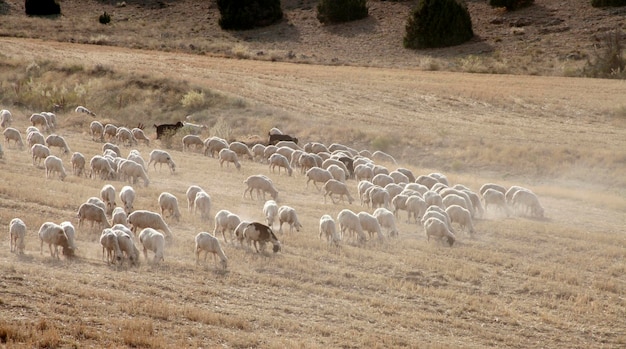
[429, 200]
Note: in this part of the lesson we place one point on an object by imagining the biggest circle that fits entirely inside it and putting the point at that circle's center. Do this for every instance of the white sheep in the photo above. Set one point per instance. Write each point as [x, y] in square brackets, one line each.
[133, 171]
[394, 189]
[228, 156]
[140, 219]
[438, 229]
[39, 152]
[370, 224]
[127, 196]
[433, 198]
[510, 192]
[239, 231]
[191, 196]
[5, 118]
[119, 216]
[461, 216]
[307, 162]
[280, 161]
[126, 244]
[17, 233]
[54, 235]
[526, 202]
[192, 140]
[382, 156]
[98, 202]
[439, 213]
[461, 193]
[54, 164]
[35, 137]
[169, 203]
[110, 131]
[269, 150]
[427, 181]
[94, 213]
[202, 204]
[59, 142]
[261, 184]
[408, 173]
[107, 193]
[363, 172]
[226, 221]
[382, 180]
[78, 163]
[39, 119]
[194, 129]
[140, 135]
[257, 151]
[213, 145]
[275, 131]
[100, 166]
[287, 214]
[415, 206]
[379, 197]
[81, 109]
[124, 136]
[97, 131]
[110, 244]
[328, 228]
[12, 134]
[387, 220]
[285, 151]
[333, 186]
[454, 199]
[349, 221]
[70, 232]
[161, 157]
[270, 211]
[318, 175]
[209, 243]
[495, 197]
[241, 149]
[154, 241]
[337, 172]
[496, 187]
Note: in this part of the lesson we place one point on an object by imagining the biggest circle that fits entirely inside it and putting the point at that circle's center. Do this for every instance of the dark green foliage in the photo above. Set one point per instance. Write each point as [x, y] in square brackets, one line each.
[438, 23]
[42, 7]
[104, 18]
[607, 3]
[610, 61]
[338, 11]
[248, 14]
[510, 4]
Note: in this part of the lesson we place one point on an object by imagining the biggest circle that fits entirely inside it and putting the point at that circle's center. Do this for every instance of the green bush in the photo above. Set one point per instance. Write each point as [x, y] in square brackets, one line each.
[438, 23]
[104, 18]
[510, 4]
[248, 14]
[338, 11]
[607, 3]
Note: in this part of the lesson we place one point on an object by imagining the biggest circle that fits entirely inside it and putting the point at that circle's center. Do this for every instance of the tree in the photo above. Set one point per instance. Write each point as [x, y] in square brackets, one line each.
[438, 23]
[247, 14]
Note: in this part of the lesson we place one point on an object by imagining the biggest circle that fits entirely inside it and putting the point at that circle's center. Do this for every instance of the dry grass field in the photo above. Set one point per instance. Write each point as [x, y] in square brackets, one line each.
[518, 282]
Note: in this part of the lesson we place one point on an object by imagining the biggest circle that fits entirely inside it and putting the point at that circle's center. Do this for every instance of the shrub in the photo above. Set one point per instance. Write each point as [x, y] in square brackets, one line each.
[42, 7]
[511, 4]
[104, 18]
[337, 11]
[438, 23]
[606, 3]
[193, 100]
[247, 14]
[609, 62]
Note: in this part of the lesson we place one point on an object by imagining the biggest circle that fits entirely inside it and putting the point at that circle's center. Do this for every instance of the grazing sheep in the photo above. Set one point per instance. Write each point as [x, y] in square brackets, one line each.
[70, 232]
[269, 150]
[382, 156]
[125, 137]
[287, 145]
[379, 197]
[133, 171]
[439, 213]
[278, 160]
[526, 202]
[226, 221]
[194, 129]
[39, 119]
[98, 202]
[209, 243]
[454, 199]
[496, 187]
[273, 139]
[510, 192]
[78, 163]
[399, 203]
[202, 203]
[140, 219]
[257, 151]
[494, 197]
[140, 135]
[260, 233]
[462, 216]
[433, 198]
[307, 162]
[107, 193]
[57, 141]
[17, 233]
[81, 109]
[12, 134]
[363, 172]
[154, 241]
[370, 224]
[228, 156]
[191, 196]
[262, 184]
[241, 149]
[110, 244]
[287, 214]
[102, 167]
[463, 194]
[416, 206]
[169, 203]
[94, 213]
[54, 164]
[394, 189]
[270, 211]
[112, 147]
[39, 152]
[239, 231]
[109, 132]
[213, 145]
[53, 234]
[328, 228]
[349, 221]
[399, 177]
[438, 229]
[126, 244]
[333, 186]
[318, 175]
[382, 180]
[407, 173]
[387, 220]
[5, 118]
[97, 131]
[119, 216]
[127, 196]
[275, 131]
[192, 140]
[35, 137]
[161, 157]
[337, 172]
[427, 181]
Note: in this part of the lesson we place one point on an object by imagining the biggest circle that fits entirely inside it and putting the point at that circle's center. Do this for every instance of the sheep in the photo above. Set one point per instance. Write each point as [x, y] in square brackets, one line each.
[209, 243]
[260, 233]
[415, 205]
[192, 140]
[124, 136]
[5, 118]
[477, 205]
[70, 232]
[328, 228]
[38, 119]
[438, 229]
[333, 186]
[394, 189]
[337, 172]
[17, 233]
[399, 203]
[270, 211]
[140, 135]
[363, 172]
[279, 160]
[510, 192]
[162, 157]
[462, 216]
[169, 203]
[463, 194]
[454, 199]
[133, 171]
[268, 151]
[12, 134]
[382, 179]
[382, 156]
[213, 145]
[287, 145]
[379, 197]
[127, 196]
[126, 244]
[433, 199]
[35, 137]
[273, 139]
[226, 221]
[349, 221]
[154, 241]
[140, 219]
[135, 156]
[107, 193]
[92, 212]
[239, 231]
[427, 181]
[191, 196]
[241, 149]
[53, 234]
[228, 156]
[102, 167]
[98, 202]
[317, 174]
[275, 131]
[81, 109]
[526, 202]
[307, 162]
[110, 244]
[194, 129]
[370, 224]
[407, 173]
[78, 163]
[387, 220]
[113, 147]
[119, 216]
[494, 197]
[202, 203]
[257, 151]
[287, 214]
[54, 164]
[496, 187]
[439, 213]
[262, 184]
[361, 188]
[97, 131]
[39, 152]
[58, 141]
